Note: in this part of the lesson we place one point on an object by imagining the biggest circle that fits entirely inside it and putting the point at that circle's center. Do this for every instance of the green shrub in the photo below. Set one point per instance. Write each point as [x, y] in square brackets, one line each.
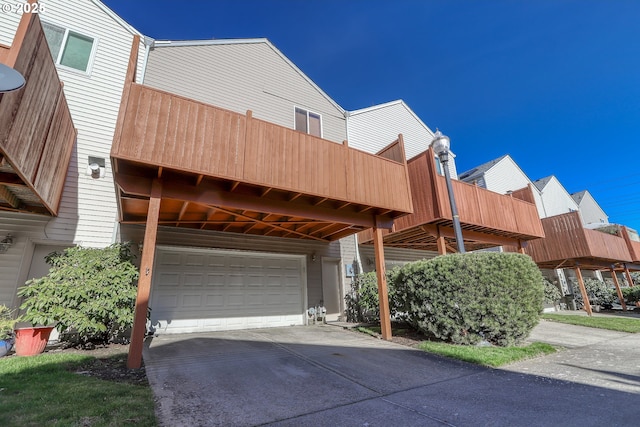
[599, 293]
[551, 292]
[467, 298]
[631, 295]
[7, 321]
[362, 303]
[91, 291]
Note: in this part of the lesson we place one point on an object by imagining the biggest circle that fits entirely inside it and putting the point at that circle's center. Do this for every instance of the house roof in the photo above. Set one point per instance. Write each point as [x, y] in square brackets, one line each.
[579, 196]
[217, 42]
[478, 171]
[542, 182]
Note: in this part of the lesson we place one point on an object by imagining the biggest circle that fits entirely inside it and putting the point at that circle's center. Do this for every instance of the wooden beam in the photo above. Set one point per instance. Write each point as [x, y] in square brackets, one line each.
[268, 224]
[521, 247]
[618, 290]
[442, 245]
[628, 274]
[385, 317]
[11, 198]
[140, 186]
[210, 215]
[134, 360]
[436, 230]
[11, 179]
[583, 291]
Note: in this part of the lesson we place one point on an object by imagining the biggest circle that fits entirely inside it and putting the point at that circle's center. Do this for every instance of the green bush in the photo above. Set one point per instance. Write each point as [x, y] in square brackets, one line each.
[599, 293]
[467, 298]
[88, 290]
[551, 292]
[7, 321]
[631, 295]
[362, 303]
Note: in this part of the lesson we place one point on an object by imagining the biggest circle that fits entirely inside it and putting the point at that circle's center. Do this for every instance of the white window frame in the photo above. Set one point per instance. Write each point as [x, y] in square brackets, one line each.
[67, 30]
[306, 110]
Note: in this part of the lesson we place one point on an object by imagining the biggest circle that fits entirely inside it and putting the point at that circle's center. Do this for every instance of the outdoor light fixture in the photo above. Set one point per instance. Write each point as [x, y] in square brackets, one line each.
[441, 146]
[10, 79]
[6, 243]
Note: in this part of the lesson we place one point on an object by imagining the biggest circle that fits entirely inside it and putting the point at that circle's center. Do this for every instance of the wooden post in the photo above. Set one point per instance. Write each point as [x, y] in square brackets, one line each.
[134, 360]
[521, 247]
[628, 274]
[583, 291]
[618, 290]
[442, 244]
[385, 317]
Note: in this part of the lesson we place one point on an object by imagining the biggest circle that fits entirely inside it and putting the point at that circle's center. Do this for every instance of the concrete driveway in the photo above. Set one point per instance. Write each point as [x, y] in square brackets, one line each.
[324, 375]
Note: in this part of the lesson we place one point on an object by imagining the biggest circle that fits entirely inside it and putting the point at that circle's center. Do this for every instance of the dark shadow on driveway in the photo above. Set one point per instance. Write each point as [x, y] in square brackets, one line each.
[328, 376]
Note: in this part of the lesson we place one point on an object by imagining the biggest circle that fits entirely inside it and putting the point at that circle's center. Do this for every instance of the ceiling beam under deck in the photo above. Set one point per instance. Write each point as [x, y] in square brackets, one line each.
[475, 236]
[11, 179]
[11, 198]
[210, 214]
[270, 225]
[140, 186]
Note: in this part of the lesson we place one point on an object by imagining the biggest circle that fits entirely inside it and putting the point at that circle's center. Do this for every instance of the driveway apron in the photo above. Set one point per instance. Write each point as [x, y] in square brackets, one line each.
[324, 375]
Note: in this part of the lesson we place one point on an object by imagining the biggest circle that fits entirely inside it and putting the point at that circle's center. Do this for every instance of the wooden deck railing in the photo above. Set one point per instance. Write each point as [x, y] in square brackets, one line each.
[632, 245]
[567, 239]
[36, 130]
[170, 131]
[476, 206]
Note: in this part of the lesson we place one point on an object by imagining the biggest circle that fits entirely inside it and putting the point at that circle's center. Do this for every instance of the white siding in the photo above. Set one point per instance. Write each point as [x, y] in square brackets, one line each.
[507, 176]
[591, 211]
[556, 199]
[88, 207]
[241, 76]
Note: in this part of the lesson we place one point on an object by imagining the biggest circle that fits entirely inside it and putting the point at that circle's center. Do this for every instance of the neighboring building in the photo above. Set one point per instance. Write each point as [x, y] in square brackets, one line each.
[592, 214]
[93, 78]
[504, 176]
[556, 199]
[371, 128]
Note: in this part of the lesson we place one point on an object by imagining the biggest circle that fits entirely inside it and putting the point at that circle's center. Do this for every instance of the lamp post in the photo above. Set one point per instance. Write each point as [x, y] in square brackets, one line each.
[441, 146]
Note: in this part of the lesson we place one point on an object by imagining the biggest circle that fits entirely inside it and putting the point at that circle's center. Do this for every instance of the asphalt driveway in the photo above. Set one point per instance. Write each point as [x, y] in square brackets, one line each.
[324, 375]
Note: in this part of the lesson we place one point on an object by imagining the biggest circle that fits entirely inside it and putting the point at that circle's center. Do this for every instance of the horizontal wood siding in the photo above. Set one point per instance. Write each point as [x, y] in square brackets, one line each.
[36, 130]
[565, 238]
[171, 131]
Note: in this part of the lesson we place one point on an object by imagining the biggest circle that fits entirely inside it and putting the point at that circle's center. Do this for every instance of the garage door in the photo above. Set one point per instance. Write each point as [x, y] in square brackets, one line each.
[213, 290]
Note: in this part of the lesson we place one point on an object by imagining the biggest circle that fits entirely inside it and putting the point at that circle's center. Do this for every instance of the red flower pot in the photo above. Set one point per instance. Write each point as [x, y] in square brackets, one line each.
[32, 341]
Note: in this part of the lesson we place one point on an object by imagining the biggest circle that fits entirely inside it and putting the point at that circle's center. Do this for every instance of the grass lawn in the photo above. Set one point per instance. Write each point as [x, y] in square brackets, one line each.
[41, 390]
[486, 356]
[621, 324]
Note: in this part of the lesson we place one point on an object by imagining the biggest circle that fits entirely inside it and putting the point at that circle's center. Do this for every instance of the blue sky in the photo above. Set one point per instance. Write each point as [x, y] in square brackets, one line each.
[553, 83]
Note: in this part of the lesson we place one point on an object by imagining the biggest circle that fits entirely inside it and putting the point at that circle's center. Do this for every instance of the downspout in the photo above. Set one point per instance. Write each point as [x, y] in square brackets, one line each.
[148, 41]
[355, 235]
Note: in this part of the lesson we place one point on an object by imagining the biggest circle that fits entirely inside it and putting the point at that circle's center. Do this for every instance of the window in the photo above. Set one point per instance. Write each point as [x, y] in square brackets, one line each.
[308, 122]
[69, 48]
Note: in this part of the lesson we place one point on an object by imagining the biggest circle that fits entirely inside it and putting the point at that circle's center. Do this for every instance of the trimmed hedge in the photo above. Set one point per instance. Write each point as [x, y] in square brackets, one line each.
[468, 298]
[362, 303]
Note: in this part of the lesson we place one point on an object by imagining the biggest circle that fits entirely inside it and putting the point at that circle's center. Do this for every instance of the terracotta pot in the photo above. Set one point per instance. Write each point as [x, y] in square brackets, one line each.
[32, 341]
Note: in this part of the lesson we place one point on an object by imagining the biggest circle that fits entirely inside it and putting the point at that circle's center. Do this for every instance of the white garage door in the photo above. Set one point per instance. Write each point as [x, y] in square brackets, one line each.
[213, 290]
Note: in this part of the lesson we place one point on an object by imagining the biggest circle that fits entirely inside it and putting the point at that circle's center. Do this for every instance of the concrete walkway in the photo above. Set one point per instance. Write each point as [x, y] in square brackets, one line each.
[324, 375]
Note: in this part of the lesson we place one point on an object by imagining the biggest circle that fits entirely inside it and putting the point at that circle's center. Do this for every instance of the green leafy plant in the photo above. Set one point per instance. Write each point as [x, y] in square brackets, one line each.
[90, 291]
[362, 303]
[631, 295]
[467, 298]
[551, 292]
[599, 293]
[7, 321]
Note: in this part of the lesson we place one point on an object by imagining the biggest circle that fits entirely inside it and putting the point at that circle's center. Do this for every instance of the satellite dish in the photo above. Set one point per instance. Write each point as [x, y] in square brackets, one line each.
[10, 79]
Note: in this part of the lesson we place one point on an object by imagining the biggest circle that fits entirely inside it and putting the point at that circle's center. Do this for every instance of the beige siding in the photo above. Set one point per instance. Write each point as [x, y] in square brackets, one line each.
[372, 129]
[242, 76]
[392, 256]
[591, 211]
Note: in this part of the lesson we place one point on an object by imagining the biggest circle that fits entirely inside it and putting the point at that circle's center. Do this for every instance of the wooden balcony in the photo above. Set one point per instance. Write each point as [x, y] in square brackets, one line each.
[220, 170]
[487, 219]
[36, 130]
[630, 238]
[568, 244]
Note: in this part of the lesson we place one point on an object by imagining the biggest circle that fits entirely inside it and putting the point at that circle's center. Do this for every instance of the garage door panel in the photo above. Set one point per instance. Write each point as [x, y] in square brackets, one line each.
[198, 290]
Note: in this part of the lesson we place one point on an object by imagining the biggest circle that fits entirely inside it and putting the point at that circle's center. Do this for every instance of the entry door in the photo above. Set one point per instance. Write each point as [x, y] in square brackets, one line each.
[331, 291]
